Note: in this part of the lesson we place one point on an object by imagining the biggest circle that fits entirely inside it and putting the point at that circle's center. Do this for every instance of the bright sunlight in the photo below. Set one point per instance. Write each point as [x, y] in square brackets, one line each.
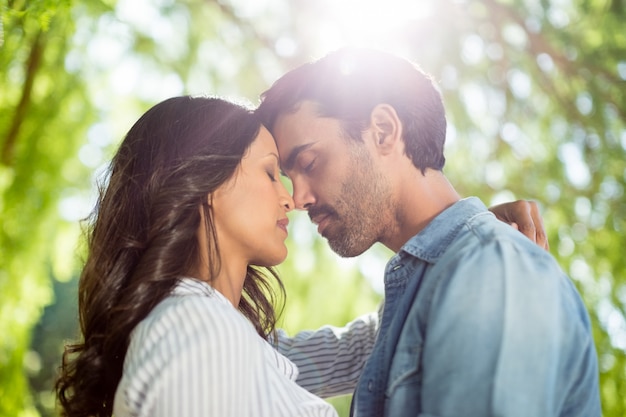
[368, 22]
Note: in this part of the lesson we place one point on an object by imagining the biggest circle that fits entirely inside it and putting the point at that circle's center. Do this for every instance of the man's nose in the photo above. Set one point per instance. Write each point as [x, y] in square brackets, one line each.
[303, 196]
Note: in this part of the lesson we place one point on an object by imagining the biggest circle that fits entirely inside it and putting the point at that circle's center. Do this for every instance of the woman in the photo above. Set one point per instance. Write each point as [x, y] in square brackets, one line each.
[175, 311]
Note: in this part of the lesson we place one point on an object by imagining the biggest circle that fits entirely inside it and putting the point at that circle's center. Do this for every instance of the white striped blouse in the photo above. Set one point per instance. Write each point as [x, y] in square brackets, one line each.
[196, 355]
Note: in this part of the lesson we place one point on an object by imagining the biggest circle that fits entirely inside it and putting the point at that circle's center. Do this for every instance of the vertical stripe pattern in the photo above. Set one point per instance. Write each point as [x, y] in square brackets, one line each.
[331, 359]
[196, 355]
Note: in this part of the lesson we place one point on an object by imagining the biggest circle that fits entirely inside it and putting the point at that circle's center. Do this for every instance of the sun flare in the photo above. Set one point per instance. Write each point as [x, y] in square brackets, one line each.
[370, 22]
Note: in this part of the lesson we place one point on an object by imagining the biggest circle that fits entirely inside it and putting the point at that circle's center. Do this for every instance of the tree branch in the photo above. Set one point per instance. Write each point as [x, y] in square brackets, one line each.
[32, 66]
[244, 25]
[500, 13]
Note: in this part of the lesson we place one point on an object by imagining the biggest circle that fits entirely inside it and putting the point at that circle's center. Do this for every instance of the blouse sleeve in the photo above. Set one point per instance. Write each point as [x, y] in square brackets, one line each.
[331, 359]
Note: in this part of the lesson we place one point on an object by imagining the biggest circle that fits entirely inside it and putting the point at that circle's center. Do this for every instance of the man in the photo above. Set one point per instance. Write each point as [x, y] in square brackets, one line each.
[477, 319]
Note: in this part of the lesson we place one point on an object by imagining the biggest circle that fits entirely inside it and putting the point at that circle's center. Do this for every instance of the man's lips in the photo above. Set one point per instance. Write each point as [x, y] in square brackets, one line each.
[283, 223]
[321, 221]
[321, 215]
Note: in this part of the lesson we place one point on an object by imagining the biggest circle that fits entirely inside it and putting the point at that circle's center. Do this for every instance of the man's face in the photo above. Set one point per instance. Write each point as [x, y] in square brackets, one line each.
[334, 177]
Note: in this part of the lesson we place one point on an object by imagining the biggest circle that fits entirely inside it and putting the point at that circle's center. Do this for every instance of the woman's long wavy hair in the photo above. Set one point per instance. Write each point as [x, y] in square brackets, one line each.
[142, 238]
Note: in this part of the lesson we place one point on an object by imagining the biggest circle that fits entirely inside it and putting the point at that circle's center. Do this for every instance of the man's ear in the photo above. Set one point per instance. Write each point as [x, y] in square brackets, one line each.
[386, 127]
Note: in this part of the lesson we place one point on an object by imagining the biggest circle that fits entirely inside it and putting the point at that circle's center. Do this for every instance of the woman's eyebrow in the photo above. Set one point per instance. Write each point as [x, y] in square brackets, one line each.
[274, 154]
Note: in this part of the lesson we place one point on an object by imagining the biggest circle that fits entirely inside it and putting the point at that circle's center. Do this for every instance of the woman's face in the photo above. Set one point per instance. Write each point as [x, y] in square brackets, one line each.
[250, 208]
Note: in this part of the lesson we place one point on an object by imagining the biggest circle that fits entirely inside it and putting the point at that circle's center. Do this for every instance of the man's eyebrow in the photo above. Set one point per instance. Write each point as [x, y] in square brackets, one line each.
[293, 154]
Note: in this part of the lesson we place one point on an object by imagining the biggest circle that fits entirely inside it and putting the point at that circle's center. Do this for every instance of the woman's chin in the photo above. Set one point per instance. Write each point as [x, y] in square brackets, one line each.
[272, 260]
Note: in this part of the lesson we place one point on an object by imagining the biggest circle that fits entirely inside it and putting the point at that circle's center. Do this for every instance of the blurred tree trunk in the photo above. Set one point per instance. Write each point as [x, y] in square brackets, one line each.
[40, 130]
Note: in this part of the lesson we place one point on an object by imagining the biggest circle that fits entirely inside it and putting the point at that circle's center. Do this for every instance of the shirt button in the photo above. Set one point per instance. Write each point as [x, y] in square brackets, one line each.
[395, 268]
[370, 386]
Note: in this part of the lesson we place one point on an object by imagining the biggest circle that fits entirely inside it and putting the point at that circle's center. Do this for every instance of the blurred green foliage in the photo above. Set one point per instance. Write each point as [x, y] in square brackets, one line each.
[536, 97]
[42, 122]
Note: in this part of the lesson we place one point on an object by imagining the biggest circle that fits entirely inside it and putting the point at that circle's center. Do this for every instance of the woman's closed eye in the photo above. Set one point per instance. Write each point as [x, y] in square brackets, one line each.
[273, 171]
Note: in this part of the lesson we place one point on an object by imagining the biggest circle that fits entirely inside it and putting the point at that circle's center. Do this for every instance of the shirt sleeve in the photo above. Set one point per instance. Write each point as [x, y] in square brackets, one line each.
[330, 359]
[503, 330]
[215, 365]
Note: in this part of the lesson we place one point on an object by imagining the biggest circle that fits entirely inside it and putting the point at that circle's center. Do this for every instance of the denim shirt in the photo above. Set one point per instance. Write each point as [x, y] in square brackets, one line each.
[478, 321]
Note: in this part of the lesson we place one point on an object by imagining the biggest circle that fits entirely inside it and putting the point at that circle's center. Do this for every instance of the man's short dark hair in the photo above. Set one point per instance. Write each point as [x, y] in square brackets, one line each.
[347, 84]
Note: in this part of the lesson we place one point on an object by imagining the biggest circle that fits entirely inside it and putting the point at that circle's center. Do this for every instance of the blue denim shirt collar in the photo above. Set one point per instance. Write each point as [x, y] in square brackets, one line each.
[433, 241]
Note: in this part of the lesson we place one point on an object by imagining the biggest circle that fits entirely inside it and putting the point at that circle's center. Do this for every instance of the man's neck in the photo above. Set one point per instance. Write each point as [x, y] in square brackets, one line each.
[419, 199]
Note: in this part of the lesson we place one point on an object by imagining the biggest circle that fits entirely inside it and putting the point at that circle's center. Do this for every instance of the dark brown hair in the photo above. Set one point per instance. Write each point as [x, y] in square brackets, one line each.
[142, 238]
[347, 84]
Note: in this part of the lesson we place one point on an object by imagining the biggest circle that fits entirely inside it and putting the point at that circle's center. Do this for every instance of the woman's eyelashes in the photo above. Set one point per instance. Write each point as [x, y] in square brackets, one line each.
[273, 172]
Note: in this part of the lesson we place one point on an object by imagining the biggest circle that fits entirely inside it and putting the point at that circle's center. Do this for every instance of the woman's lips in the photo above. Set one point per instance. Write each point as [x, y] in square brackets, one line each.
[283, 223]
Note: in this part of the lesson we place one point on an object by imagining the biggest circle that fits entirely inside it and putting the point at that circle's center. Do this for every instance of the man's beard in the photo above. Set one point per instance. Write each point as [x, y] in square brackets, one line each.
[357, 219]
